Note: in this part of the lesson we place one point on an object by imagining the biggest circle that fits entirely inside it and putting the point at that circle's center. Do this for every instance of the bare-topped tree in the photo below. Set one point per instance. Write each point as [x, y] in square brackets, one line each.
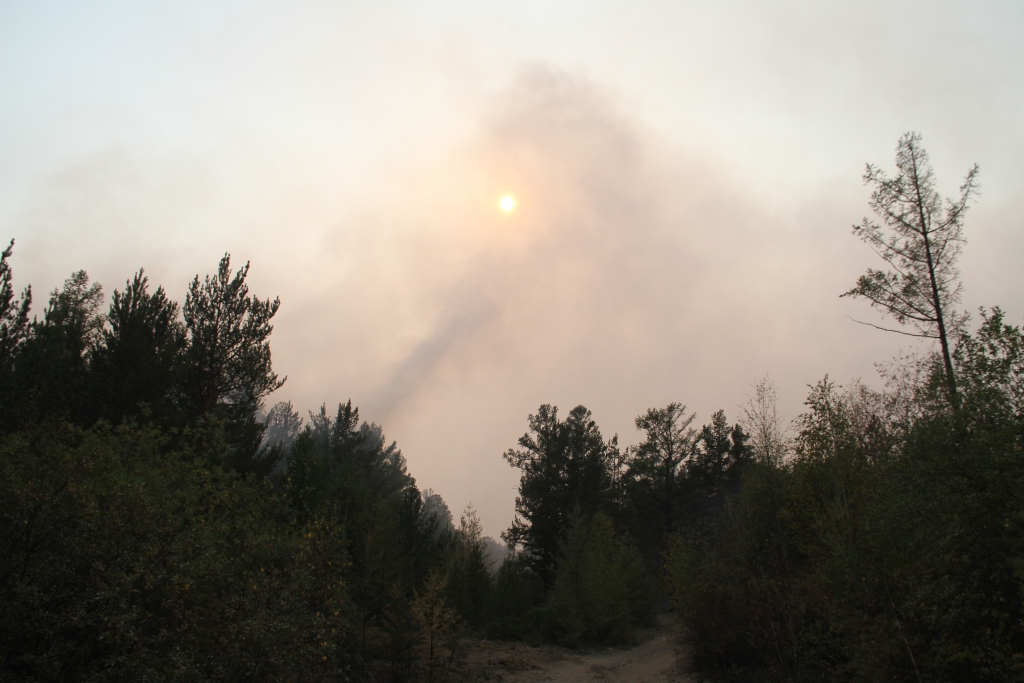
[920, 236]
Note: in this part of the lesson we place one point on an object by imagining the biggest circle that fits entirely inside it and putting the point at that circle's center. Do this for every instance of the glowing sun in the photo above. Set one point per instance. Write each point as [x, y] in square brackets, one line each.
[507, 203]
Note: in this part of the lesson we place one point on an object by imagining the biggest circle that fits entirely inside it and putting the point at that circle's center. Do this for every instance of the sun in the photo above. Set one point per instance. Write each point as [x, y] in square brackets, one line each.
[507, 203]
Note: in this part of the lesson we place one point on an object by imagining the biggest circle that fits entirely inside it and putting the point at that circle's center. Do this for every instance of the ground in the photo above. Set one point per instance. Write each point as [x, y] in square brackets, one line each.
[654, 659]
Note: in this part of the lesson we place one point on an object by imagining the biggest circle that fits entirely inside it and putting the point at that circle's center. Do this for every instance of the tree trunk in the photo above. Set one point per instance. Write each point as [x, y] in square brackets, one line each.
[947, 360]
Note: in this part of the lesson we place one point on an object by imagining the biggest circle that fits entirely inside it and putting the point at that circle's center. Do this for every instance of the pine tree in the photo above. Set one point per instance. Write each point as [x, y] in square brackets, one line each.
[228, 370]
[14, 330]
[657, 463]
[139, 355]
[14, 325]
[565, 465]
[51, 373]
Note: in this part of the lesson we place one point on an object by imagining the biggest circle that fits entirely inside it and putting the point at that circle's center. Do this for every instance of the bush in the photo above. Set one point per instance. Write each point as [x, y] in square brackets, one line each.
[888, 546]
[123, 561]
[600, 589]
[516, 596]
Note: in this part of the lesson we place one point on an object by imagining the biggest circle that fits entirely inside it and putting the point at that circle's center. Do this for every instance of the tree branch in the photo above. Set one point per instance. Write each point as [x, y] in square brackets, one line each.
[886, 329]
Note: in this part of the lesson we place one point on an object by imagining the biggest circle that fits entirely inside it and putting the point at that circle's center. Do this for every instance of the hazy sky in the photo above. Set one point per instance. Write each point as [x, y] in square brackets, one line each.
[687, 174]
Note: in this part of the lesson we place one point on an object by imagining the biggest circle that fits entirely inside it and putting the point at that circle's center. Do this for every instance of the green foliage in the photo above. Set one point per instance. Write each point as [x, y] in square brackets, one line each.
[124, 561]
[165, 551]
[283, 424]
[599, 593]
[516, 598]
[656, 465]
[469, 578]
[436, 624]
[768, 588]
[208, 372]
[227, 370]
[719, 600]
[228, 359]
[877, 549]
[565, 465]
[678, 476]
[990, 367]
[51, 369]
[884, 540]
[135, 367]
[14, 331]
[306, 470]
[14, 324]
[720, 452]
[129, 559]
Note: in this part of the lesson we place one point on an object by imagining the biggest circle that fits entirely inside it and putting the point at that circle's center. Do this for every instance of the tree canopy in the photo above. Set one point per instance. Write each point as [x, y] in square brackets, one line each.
[566, 465]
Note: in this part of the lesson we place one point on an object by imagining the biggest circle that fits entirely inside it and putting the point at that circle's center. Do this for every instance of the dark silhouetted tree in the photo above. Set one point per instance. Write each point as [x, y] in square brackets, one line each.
[139, 355]
[565, 466]
[720, 451]
[345, 436]
[14, 330]
[227, 362]
[599, 593]
[382, 464]
[51, 370]
[469, 578]
[337, 437]
[14, 325]
[657, 463]
[920, 236]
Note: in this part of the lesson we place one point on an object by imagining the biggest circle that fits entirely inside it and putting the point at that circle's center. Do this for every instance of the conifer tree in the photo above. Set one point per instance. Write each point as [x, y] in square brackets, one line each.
[920, 237]
[14, 330]
[51, 370]
[140, 353]
[283, 424]
[657, 463]
[565, 465]
[227, 362]
[14, 325]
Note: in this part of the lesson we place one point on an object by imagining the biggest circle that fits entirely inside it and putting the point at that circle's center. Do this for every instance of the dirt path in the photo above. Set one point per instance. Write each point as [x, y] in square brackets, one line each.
[653, 660]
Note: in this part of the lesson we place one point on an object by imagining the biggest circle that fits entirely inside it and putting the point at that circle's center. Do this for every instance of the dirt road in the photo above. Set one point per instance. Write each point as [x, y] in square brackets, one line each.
[653, 660]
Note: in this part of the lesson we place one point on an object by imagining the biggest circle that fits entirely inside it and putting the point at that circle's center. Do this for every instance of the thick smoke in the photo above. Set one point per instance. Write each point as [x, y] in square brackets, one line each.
[634, 272]
[631, 275]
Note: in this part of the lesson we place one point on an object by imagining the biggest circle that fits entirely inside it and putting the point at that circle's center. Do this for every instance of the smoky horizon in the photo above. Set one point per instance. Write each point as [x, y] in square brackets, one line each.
[472, 210]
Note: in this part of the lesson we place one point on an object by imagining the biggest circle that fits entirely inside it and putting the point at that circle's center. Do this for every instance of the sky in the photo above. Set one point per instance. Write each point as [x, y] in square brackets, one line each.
[686, 175]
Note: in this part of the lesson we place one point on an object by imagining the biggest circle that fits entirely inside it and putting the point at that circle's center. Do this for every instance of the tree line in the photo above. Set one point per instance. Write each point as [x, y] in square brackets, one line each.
[161, 521]
[879, 536]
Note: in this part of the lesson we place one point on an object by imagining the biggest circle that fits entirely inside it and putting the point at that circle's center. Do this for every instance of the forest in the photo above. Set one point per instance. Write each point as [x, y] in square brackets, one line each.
[162, 521]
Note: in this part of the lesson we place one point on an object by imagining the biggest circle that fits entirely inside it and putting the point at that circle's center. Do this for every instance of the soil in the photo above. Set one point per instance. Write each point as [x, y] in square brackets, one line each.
[654, 659]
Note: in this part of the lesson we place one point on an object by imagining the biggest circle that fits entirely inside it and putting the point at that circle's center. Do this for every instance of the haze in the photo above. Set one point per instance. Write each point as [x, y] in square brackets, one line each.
[685, 176]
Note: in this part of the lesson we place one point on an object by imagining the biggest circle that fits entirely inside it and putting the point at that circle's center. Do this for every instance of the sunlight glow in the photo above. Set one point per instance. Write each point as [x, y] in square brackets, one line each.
[507, 203]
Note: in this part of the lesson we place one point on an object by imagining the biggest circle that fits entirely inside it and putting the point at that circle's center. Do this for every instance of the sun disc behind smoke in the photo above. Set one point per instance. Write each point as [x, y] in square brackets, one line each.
[507, 203]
